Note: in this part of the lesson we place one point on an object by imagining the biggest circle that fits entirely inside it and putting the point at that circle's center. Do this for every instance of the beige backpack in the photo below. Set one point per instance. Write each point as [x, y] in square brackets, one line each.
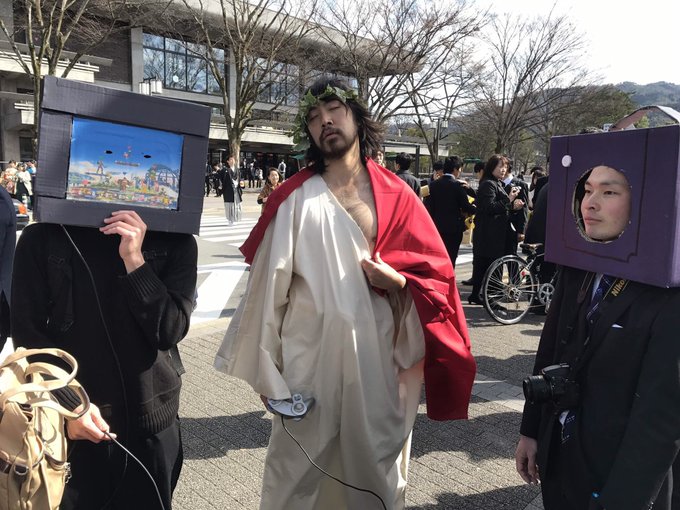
[33, 460]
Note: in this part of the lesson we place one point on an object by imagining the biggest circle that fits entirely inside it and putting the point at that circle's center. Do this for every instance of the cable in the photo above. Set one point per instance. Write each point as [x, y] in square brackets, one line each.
[128, 452]
[326, 472]
[120, 375]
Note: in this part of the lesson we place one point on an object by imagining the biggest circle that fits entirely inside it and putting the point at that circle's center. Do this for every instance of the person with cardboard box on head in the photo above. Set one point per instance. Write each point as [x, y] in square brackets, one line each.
[108, 274]
[601, 426]
[143, 289]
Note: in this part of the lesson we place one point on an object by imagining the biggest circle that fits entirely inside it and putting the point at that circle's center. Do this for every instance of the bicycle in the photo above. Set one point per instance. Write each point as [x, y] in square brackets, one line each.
[511, 286]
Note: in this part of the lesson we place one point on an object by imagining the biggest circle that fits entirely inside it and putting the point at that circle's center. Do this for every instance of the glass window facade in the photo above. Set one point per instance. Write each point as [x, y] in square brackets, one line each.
[284, 88]
[180, 65]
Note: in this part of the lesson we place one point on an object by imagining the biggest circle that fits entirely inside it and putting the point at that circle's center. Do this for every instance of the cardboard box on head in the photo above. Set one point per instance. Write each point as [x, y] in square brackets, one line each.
[102, 150]
[648, 248]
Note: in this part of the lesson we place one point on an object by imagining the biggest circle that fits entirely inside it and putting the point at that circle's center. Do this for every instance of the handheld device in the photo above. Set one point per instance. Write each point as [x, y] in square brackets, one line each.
[295, 407]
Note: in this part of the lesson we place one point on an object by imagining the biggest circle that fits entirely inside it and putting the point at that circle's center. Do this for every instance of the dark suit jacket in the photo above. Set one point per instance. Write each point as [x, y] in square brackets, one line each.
[535, 232]
[228, 188]
[7, 241]
[627, 433]
[410, 179]
[447, 204]
[491, 219]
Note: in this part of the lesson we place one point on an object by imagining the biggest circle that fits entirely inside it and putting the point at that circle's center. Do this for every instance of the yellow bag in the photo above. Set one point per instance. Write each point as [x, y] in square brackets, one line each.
[33, 462]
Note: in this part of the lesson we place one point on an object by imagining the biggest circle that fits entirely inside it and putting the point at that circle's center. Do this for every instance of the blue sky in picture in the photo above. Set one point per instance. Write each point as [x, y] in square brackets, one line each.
[106, 147]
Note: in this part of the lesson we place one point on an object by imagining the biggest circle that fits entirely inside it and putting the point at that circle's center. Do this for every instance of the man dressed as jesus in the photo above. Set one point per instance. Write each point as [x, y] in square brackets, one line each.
[351, 299]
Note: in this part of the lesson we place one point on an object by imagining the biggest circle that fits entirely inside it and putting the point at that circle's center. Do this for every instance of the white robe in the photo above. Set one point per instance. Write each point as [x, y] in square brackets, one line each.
[309, 323]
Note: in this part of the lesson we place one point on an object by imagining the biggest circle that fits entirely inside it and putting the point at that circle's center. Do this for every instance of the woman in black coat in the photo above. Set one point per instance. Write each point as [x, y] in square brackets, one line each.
[492, 221]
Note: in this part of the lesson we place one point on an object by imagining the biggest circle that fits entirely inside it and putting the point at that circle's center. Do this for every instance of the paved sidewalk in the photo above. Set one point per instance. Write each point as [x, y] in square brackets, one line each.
[461, 465]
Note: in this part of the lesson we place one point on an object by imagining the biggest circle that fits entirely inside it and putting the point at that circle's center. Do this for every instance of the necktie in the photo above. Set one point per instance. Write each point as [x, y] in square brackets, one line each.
[568, 418]
[606, 283]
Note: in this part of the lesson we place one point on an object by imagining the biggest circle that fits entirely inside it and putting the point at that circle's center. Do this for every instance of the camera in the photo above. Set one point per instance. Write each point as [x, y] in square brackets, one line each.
[552, 385]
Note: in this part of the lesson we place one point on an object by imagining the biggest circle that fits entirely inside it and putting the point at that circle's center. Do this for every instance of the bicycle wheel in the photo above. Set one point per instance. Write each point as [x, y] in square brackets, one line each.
[508, 289]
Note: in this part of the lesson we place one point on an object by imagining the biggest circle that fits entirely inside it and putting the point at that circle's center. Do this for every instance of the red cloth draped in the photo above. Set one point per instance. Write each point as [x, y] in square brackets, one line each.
[408, 241]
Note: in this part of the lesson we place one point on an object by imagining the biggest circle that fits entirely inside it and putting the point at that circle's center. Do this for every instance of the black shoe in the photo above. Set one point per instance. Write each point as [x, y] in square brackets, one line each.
[466, 282]
[475, 300]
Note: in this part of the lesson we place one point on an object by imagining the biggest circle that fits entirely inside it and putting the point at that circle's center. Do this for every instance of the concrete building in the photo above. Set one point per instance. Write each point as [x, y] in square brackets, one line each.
[152, 61]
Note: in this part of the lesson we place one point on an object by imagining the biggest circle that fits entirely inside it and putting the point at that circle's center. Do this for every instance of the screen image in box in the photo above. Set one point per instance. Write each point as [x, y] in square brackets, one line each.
[123, 164]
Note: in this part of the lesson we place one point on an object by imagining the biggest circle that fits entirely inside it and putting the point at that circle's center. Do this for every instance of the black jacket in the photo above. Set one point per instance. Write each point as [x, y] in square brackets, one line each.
[537, 224]
[410, 179]
[627, 432]
[491, 219]
[447, 204]
[7, 241]
[146, 313]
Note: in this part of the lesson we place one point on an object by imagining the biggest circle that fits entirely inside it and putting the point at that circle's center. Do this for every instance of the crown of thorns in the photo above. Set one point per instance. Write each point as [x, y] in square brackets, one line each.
[309, 101]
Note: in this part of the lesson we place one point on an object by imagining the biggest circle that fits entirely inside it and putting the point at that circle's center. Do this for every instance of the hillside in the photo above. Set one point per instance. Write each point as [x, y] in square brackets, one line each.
[661, 93]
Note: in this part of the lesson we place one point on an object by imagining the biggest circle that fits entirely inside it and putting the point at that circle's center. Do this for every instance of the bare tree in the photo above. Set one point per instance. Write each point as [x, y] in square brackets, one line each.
[534, 65]
[590, 106]
[52, 27]
[394, 48]
[265, 41]
[451, 89]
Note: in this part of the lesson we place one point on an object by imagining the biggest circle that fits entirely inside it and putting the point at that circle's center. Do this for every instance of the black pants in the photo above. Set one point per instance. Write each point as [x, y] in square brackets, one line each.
[479, 267]
[566, 484]
[452, 242]
[97, 468]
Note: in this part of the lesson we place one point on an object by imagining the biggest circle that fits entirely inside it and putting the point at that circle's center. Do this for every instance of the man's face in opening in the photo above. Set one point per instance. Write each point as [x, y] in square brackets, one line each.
[333, 128]
[606, 204]
[231, 162]
[380, 158]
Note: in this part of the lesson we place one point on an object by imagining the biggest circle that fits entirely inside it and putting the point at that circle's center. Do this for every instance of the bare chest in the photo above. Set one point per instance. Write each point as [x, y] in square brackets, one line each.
[360, 205]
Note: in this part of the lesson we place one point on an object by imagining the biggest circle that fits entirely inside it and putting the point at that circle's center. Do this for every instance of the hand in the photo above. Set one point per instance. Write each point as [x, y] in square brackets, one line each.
[131, 229]
[517, 204]
[514, 191]
[381, 275]
[90, 426]
[525, 459]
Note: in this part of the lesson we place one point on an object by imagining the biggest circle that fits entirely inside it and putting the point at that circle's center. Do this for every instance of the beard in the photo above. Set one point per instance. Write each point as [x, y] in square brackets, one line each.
[337, 146]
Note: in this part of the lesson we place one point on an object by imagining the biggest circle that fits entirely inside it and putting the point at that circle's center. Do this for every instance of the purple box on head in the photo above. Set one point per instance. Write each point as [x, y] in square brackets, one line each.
[648, 248]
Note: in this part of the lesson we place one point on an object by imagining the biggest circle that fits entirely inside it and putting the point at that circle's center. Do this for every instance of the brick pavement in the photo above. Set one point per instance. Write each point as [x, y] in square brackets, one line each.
[454, 465]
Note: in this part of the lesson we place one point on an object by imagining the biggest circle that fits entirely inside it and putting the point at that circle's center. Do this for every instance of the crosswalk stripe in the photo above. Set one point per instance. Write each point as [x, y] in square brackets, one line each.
[220, 224]
[215, 291]
[226, 231]
[222, 219]
[464, 259]
[216, 229]
[226, 238]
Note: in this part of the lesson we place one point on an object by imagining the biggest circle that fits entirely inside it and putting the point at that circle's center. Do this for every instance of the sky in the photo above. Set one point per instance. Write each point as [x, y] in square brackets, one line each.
[629, 41]
[122, 148]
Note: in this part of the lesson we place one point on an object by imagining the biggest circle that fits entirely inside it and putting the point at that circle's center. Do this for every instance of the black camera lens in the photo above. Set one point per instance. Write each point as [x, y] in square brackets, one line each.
[536, 389]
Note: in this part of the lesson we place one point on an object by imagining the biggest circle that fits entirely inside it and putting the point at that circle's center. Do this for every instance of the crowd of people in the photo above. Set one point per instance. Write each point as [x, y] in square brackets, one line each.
[19, 179]
[351, 304]
[229, 181]
[497, 209]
